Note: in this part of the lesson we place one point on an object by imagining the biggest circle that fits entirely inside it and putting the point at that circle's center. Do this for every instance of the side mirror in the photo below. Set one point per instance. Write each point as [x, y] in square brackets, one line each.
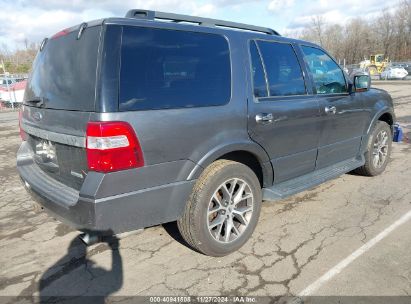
[362, 83]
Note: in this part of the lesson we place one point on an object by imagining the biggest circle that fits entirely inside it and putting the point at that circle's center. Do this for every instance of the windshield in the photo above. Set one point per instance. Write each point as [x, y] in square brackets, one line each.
[64, 72]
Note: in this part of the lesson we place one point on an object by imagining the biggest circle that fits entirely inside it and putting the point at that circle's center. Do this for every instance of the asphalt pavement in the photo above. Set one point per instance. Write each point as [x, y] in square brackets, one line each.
[322, 242]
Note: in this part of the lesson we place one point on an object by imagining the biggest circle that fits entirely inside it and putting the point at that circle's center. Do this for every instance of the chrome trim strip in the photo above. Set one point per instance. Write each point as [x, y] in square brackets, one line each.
[71, 140]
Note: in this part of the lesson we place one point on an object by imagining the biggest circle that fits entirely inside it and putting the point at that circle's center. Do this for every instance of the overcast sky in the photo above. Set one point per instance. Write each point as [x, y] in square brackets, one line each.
[33, 20]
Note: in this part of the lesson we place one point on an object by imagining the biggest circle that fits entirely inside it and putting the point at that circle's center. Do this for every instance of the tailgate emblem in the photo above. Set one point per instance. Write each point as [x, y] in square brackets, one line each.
[37, 116]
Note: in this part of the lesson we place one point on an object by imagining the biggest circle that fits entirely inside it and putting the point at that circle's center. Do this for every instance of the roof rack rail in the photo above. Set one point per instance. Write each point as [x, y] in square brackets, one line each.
[153, 15]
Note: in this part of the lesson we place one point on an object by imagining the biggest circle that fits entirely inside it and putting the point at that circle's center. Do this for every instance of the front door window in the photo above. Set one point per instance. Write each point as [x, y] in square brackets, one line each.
[327, 75]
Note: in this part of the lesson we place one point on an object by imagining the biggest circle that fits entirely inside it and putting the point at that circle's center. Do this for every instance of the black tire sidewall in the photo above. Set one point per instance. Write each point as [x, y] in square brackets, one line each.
[206, 242]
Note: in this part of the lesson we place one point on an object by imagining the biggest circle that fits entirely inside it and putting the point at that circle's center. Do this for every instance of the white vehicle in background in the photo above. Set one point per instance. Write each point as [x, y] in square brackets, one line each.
[5, 81]
[394, 72]
[12, 95]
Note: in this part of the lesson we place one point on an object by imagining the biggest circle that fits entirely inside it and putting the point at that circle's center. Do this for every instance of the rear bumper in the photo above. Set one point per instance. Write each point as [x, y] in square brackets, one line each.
[114, 213]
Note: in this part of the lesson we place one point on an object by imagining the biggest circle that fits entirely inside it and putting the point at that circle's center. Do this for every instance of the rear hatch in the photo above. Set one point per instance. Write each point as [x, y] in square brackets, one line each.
[59, 99]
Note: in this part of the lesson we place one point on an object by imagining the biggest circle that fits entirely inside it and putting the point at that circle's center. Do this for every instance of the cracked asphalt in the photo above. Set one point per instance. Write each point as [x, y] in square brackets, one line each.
[296, 241]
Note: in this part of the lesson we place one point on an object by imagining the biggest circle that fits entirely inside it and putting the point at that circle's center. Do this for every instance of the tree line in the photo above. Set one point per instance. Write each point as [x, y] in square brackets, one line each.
[18, 61]
[389, 33]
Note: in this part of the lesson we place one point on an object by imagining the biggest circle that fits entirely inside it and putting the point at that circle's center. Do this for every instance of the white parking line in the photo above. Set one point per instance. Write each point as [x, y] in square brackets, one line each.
[348, 260]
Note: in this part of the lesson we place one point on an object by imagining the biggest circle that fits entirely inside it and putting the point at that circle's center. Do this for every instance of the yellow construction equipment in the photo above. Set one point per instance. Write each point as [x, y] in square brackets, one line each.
[375, 65]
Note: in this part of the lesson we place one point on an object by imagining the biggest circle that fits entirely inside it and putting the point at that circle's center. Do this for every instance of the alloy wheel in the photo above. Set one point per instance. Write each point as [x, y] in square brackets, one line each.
[380, 150]
[230, 210]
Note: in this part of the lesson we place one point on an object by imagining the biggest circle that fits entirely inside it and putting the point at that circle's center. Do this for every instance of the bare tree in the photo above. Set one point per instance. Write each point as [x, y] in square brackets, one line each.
[389, 33]
[318, 24]
[18, 61]
[384, 27]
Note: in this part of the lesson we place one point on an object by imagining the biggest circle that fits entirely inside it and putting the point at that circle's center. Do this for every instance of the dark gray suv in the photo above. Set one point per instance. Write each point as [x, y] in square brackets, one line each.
[137, 121]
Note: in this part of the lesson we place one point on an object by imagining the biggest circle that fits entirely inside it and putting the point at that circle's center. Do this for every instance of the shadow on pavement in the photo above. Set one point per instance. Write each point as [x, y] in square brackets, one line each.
[172, 230]
[75, 275]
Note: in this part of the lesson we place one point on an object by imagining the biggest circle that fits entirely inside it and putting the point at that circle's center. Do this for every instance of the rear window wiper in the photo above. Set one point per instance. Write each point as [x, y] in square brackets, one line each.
[38, 102]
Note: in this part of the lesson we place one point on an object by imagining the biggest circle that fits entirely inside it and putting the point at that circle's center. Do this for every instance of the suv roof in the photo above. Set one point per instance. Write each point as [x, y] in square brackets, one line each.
[137, 17]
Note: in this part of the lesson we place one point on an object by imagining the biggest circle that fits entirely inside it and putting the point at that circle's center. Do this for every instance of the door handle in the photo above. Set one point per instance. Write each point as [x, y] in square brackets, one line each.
[330, 110]
[264, 118]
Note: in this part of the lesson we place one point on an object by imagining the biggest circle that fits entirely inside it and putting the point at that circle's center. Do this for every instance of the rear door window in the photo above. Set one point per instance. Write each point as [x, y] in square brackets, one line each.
[285, 77]
[259, 80]
[163, 69]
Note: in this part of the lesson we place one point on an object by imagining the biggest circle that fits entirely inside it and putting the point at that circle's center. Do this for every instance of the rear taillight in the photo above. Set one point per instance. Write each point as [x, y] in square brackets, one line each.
[23, 134]
[112, 146]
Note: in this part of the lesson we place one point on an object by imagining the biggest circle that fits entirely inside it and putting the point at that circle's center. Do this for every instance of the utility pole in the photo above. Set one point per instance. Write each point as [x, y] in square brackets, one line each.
[7, 83]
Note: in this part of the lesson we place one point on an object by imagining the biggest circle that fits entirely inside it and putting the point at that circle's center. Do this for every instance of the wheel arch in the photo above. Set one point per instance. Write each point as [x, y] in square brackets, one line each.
[386, 115]
[388, 118]
[247, 153]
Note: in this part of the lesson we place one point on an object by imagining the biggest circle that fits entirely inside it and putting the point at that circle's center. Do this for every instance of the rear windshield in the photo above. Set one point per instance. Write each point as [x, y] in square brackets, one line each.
[64, 72]
[163, 69]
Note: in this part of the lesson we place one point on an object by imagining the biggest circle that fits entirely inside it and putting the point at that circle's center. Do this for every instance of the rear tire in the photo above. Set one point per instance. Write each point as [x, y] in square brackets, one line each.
[227, 194]
[378, 150]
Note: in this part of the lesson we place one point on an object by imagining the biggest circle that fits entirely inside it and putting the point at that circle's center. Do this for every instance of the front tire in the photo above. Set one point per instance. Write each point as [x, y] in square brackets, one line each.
[223, 209]
[378, 150]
